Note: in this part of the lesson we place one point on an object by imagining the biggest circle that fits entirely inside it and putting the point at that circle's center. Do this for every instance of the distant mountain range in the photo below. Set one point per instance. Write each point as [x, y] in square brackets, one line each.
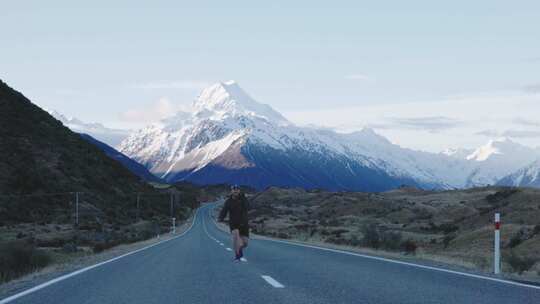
[231, 138]
[112, 137]
[491, 162]
[528, 176]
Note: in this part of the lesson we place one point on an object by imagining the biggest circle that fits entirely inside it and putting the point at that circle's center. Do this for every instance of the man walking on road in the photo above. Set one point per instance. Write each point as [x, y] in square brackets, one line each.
[236, 206]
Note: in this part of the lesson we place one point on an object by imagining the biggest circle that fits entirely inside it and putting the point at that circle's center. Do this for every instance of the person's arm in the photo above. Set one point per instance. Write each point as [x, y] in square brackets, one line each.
[224, 211]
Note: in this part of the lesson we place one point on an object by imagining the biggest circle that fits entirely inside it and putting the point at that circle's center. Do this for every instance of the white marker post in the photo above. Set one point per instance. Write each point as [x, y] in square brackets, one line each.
[174, 225]
[497, 260]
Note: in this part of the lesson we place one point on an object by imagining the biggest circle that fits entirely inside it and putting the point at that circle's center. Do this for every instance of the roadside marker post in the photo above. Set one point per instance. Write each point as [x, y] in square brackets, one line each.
[174, 225]
[497, 251]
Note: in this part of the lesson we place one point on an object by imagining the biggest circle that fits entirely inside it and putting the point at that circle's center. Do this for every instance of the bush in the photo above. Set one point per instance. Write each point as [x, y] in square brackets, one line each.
[99, 247]
[372, 237]
[283, 235]
[515, 240]
[536, 230]
[448, 228]
[409, 246]
[19, 258]
[447, 239]
[520, 264]
[391, 240]
[500, 195]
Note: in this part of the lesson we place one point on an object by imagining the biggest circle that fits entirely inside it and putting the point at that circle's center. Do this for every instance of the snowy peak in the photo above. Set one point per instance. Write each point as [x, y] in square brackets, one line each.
[503, 146]
[112, 137]
[528, 176]
[459, 153]
[229, 99]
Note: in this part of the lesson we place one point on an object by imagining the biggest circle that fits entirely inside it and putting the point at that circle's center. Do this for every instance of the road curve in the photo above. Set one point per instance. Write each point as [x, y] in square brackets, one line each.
[198, 268]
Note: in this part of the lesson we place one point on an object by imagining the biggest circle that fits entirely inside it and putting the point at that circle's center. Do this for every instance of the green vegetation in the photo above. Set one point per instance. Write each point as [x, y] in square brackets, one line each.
[43, 164]
[18, 258]
[518, 263]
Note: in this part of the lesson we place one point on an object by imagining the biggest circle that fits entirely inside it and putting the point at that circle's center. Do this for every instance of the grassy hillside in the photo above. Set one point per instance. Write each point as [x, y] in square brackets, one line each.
[39, 155]
[42, 164]
[450, 226]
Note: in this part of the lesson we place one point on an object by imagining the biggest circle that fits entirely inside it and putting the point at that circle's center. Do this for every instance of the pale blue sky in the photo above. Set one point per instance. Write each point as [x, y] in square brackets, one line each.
[98, 60]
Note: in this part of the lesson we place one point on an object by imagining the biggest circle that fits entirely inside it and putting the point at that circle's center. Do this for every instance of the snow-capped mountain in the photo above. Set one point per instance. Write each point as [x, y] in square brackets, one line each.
[112, 137]
[528, 176]
[494, 160]
[231, 138]
[459, 153]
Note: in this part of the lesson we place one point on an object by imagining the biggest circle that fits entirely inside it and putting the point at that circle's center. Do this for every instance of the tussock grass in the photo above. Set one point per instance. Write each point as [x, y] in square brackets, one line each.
[19, 258]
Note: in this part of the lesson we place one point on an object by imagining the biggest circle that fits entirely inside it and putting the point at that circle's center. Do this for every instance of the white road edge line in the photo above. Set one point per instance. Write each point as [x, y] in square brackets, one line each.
[272, 282]
[476, 276]
[408, 264]
[69, 275]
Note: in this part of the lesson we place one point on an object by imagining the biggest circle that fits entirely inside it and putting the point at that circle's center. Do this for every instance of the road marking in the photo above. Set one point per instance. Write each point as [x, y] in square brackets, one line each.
[272, 282]
[69, 275]
[221, 244]
[470, 275]
[243, 259]
[476, 276]
[228, 249]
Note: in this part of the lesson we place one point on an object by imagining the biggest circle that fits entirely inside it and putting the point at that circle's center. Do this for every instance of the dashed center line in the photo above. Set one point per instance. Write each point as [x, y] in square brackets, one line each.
[229, 249]
[272, 282]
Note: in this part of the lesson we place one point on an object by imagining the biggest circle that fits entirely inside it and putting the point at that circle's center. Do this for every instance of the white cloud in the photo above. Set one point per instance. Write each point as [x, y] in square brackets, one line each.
[153, 112]
[174, 84]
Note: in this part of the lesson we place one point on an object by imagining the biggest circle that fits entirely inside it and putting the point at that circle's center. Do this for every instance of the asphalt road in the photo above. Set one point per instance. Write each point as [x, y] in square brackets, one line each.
[197, 267]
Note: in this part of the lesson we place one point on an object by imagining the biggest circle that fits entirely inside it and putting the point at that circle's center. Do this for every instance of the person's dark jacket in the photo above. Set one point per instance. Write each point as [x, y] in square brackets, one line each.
[237, 208]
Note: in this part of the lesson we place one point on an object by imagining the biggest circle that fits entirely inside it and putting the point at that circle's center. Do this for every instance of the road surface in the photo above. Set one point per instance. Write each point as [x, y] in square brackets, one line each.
[197, 267]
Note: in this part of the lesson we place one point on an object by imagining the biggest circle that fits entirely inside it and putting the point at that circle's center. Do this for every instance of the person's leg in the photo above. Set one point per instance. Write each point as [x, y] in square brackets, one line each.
[244, 234]
[236, 240]
[245, 240]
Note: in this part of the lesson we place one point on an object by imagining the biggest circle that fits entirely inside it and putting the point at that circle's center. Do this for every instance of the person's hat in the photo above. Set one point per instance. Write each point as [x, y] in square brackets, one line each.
[235, 187]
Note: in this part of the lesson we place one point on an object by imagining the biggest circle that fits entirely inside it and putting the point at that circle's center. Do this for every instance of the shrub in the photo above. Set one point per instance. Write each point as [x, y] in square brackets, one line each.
[520, 264]
[536, 229]
[500, 195]
[339, 232]
[283, 235]
[515, 240]
[447, 239]
[409, 246]
[372, 237]
[391, 240]
[19, 258]
[448, 228]
[99, 247]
